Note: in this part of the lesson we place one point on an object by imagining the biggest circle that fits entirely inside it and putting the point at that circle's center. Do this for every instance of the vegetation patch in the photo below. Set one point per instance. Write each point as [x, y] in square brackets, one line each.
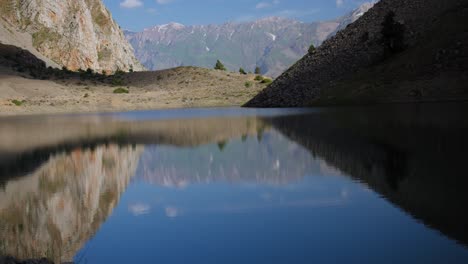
[121, 91]
[18, 103]
[104, 54]
[258, 70]
[44, 35]
[219, 66]
[7, 7]
[312, 49]
[266, 81]
[393, 34]
[99, 17]
[117, 81]
[51, 185]
[258, 78]
[248, 84]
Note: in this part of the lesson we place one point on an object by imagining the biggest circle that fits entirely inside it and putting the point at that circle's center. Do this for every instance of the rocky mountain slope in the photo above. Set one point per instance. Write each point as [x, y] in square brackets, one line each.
[77, 34]
[398, 51]
[273, 44]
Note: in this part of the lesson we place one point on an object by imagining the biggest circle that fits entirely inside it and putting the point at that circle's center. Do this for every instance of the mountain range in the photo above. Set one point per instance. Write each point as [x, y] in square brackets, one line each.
[272, 43]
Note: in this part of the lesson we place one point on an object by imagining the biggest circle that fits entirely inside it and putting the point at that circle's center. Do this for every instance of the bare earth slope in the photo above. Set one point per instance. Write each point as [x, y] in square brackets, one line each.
[28, 87]
[77, 34]
[356, 67]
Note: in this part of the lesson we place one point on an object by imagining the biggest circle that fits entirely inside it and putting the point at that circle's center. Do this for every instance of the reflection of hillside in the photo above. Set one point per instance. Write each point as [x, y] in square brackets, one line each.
[53, 211]
[413, 156]
[272, 160]
[24, 134]
[26, 143]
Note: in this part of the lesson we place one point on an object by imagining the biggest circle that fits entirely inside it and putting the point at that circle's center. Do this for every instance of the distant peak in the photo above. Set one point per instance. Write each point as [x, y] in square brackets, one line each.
[171, 25]
[274, 19]
[358, 12]
[175, 24]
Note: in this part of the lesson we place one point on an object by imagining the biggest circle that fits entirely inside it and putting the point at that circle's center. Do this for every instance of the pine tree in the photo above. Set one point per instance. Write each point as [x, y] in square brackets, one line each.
[257, 70]
[393, 34]
[219, 66]
[312, 49]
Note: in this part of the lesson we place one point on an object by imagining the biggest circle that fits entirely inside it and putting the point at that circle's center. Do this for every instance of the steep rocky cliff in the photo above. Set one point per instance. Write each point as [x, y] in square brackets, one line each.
[399, 51]
[77, 34]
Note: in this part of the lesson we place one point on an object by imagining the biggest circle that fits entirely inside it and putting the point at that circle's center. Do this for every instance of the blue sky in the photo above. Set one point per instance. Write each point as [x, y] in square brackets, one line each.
[139, 14]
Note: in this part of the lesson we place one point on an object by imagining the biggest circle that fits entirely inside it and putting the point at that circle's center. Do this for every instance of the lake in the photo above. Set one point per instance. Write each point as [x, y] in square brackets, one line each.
[383, 184]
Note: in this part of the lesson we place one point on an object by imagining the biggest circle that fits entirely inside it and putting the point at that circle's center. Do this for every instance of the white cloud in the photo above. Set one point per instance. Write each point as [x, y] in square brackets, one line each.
[263, 5]
[139, 209]
[131, 3]
[339, 3]
[163, 2]
[172, 212]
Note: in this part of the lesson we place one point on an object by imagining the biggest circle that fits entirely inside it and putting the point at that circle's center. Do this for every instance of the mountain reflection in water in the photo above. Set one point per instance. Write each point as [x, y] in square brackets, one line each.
[62, 178]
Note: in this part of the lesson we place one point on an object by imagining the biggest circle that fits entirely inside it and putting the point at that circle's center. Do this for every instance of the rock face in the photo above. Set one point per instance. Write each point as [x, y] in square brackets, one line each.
[355, 65]
[77, 34]
[273, 43]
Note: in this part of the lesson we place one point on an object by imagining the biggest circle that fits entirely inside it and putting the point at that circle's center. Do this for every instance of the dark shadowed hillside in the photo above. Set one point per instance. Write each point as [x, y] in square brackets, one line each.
[388, 148]
[399, 51]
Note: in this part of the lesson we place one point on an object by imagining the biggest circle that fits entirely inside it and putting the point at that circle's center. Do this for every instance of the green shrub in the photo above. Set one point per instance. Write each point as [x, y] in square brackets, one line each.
[266, 81]
[242, 71]
[119, 72]
[258, 78]
[121, 91]
[312, 49]
[248, 84]
[104, 54]
[258, 70]
[219, 66]
[44, 35]
[66, 71]
[18, 103]
[222, 145]
[117, 81]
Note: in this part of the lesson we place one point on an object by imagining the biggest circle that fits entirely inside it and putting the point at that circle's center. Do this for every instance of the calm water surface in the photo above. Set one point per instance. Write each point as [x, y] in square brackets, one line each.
[344, 185]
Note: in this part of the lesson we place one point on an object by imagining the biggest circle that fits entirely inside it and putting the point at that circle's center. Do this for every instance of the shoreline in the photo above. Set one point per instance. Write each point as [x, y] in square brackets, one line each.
[176, 106]
[183, 87]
